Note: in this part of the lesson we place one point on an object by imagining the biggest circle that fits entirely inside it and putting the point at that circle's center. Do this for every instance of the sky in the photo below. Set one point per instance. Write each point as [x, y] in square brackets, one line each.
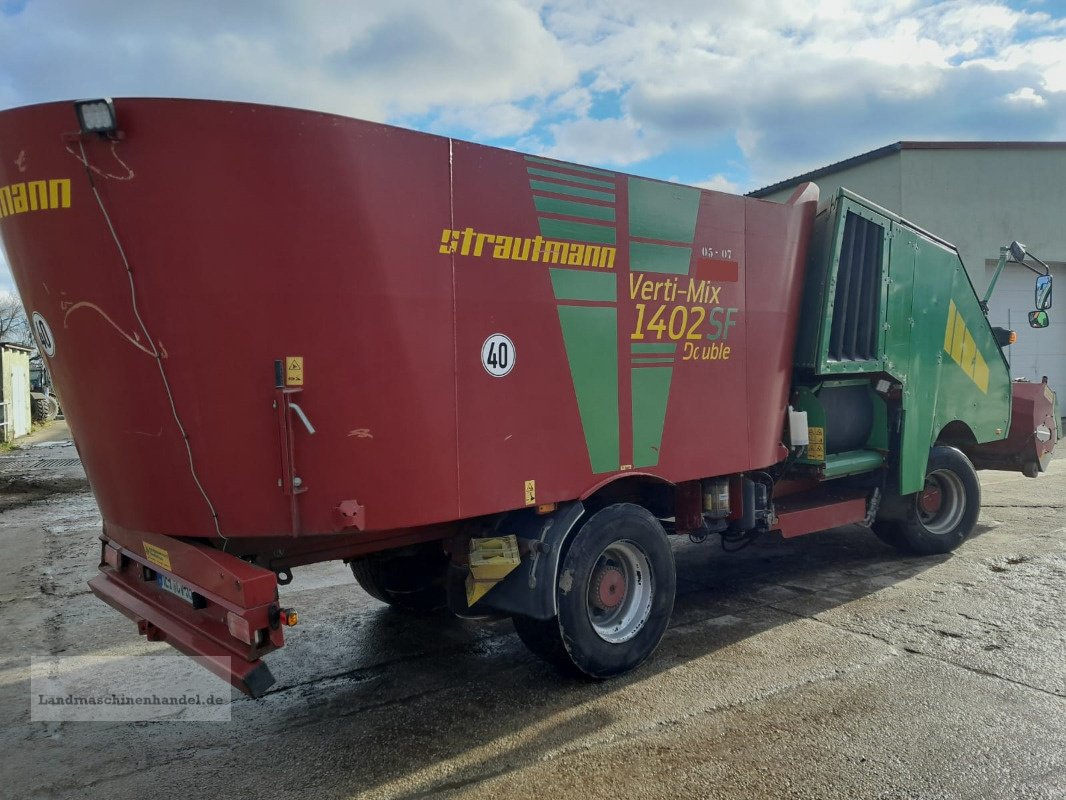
[722, 95]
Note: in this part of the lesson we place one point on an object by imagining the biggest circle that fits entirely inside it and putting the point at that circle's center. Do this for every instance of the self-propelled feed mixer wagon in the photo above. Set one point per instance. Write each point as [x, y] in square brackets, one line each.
[487, 380]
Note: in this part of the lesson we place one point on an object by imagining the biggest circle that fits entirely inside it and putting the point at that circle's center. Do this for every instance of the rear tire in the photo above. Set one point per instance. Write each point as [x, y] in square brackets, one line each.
[542, 638]
[409, 580]
[53, 409]
[615, 593]
[942, 515]
[39, 408]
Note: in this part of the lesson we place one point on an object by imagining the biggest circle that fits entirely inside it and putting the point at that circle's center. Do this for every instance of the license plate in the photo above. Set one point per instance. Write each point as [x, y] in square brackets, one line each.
[168, 584]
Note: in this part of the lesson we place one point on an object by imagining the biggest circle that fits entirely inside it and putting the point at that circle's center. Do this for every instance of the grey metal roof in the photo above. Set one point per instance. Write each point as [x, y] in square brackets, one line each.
[891, 149]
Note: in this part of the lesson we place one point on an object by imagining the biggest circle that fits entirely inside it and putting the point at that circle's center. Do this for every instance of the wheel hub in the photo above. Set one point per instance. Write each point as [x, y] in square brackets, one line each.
[609, 588]
[930, 499]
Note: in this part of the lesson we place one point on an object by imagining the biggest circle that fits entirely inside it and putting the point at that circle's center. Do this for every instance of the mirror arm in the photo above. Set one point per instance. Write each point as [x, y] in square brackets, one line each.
[1047, 269]
[999, 268]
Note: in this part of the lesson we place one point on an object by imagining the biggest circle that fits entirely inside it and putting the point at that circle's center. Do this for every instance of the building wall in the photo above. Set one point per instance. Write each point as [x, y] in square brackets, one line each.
[981, 200]
[15, 368]
[879, 180]
[8, 431]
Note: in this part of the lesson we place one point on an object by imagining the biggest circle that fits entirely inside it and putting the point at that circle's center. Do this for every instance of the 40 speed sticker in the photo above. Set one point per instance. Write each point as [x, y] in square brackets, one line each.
[498, 355]
[43, 333]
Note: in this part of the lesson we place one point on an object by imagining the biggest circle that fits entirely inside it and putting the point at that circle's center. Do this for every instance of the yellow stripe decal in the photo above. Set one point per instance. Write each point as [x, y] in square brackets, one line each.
[950, 329]
[960, 345]
[980, 374]
[959, 338]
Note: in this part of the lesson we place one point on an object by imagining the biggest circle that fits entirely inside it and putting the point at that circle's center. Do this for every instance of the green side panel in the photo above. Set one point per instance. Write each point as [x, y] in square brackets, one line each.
[651, 390]
[659, 258]
[562, 176]
[651, 360]
[932, 288]
[564, 164]
[591, 338]
[551, 205]
[573, 191]
[973, 388]
[807, 400]
[579, 231]
[653, 348]
[934, 339]
[662, 210]
[898, 319]
[878, 438]
[575, 284]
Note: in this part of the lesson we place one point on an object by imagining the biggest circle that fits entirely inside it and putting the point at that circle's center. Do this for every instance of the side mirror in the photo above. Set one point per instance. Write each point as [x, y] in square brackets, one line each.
[1017, 251]
[1043, 292]
[1038, 319]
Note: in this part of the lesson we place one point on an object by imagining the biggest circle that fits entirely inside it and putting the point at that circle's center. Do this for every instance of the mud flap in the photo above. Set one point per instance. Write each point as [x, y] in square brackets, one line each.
[529, 590]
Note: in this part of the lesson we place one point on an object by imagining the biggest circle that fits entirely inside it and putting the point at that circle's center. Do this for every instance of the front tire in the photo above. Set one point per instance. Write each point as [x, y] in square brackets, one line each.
[942, 515]
[615, 593]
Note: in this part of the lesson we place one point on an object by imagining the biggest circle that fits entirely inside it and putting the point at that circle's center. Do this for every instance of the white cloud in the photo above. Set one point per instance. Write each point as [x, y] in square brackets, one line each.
[615, 142]
[719, 183]
[795, 83]
[1026, 96]
[371, 60]
[491, 122]
[576, 100]
[798, 84]
[1044, 57]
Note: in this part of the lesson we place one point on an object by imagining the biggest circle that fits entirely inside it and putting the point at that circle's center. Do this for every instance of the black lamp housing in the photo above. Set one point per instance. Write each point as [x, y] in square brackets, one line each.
[96, 116]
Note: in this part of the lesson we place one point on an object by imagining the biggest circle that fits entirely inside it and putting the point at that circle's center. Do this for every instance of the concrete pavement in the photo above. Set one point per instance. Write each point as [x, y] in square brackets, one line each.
[821, 667]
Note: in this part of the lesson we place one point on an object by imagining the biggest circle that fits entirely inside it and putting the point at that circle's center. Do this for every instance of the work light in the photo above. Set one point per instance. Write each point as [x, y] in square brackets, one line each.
[96, 116]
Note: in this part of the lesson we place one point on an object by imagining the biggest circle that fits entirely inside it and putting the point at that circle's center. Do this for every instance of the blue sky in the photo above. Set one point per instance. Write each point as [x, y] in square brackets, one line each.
[724, 95]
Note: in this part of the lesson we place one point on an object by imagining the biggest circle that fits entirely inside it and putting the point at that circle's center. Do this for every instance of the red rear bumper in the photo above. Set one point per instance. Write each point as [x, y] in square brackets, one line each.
[229, 615]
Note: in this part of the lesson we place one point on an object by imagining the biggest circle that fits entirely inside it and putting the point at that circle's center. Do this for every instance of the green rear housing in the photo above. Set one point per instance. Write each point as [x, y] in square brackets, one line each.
[885, 300]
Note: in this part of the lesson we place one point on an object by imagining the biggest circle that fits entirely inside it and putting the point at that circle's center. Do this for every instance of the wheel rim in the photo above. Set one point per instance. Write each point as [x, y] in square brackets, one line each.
[942, 502]
[620, 592]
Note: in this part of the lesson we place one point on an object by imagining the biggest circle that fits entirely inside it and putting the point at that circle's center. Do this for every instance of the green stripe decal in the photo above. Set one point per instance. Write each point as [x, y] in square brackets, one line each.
[651, 390]
[574, 191]
[578, 231]
[574, 284]
[549, 205]
[565, 165]
[662, 211]
[654, 348]
[591, 338]
[562, 176]
[659, 258]
[649, 360]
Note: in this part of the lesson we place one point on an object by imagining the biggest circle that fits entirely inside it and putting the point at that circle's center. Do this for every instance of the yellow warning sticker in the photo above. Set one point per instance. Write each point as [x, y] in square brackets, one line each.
[157, 555]
[294, 370]
[531, 493]
[816, 448]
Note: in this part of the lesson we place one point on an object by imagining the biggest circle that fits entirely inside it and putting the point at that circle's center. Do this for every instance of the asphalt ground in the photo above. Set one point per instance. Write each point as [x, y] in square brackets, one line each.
[826, 666]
